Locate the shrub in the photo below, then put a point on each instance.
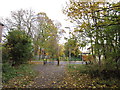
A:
(95, 71)
(19, 47)
(5, 55)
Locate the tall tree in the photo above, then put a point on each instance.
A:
(47, 34)
(97, 23)
(72, 47)
(22, 20)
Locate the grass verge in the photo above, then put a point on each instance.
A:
(17, 77)
(88, 77)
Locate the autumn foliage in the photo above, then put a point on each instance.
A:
(87, 57)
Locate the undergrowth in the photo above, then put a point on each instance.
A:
(15, 74)
(109, 78)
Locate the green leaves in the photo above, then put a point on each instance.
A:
(72, 46)
(98, 26)
(20, 48)
(47, 34)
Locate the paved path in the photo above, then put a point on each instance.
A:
(61, 62)
(50, 76)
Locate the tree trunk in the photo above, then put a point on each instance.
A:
(58, 61)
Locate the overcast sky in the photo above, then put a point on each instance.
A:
(53, 8)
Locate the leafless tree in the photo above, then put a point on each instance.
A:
(22, 20)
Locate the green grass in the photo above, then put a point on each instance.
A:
(10, 72)
(79, 67)
(96, 74)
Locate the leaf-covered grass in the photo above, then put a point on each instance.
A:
(76, 67)
(17, 76)
(88, 77)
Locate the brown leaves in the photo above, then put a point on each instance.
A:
(76, 79)
(19, 82)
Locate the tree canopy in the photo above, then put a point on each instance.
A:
(97, 25)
